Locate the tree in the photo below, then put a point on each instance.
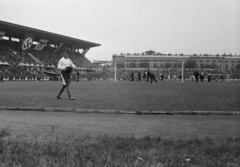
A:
(213, 65)
(208, 66)
(144, 65)
(190, 64)
(133, 65)
(205, 66)
(150, 52)
(238, 67)
(168, 65)
(155, 65)
(120, 65)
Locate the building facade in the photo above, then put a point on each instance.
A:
(224, 62)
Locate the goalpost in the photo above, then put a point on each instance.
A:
(115, 71)
(182, 71)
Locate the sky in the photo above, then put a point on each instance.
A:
(135, 26)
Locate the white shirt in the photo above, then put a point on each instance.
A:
(65, 62)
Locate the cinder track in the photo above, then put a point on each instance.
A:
(67, 123)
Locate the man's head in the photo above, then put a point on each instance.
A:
(65, 54)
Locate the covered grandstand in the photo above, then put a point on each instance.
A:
(25, 50)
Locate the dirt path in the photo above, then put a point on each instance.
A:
(122, 125)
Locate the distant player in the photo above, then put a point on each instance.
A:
(169, 77)
(132, 76)
(196, 74)
(162, 77)
(221, 77)
(201, 77)
(66, 66)
(209, 77)
(139, 77)
(152, 77)
(148, 75)
(144, 75)
(78, 76)
(174, 77)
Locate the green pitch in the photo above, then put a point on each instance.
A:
(124, 95)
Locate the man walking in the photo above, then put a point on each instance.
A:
(152, 76)
(66, 66)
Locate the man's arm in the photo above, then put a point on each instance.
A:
(72, 65)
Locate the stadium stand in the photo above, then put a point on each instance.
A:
(32, 64)
(25, 56)
(81, 61)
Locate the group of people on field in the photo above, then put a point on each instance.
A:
(147, 76)
(199, 76)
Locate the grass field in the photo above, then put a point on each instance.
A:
(124, 95)
(36, 138)
(105, 151)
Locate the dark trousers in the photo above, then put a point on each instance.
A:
(196, 78)
(153, 79)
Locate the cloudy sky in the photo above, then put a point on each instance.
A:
(135, 26)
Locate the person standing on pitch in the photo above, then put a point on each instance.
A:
(144, 76)
(152, 77)
(209, 77)
(66, 66)
(132, 76)
(196, 74)
(139, 77)
(148, 75)
(221, 77)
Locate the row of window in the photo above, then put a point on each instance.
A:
(207, 61)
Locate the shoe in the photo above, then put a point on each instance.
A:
(59, 97)
(71, 98)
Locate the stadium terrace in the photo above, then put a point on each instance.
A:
(29, 53)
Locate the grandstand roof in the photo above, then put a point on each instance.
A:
(18, 31)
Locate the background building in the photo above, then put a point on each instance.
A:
(150, 59)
